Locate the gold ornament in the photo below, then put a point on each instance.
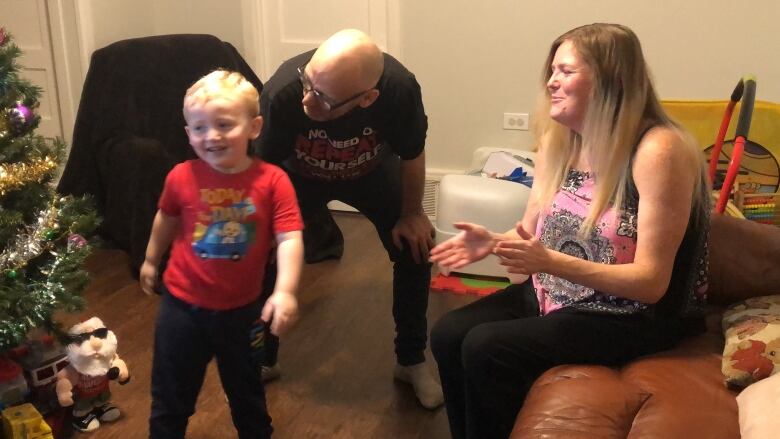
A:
(16, 175)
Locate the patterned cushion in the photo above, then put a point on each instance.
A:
(752, 331)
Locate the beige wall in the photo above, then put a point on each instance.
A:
(105, 22)
(221, 18)
(477, 59)
(108, 21)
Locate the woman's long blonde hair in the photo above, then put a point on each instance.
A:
(622, 106)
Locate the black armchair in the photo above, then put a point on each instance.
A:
(129, 129)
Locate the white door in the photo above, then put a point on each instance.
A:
(276, 30)
(28, 22)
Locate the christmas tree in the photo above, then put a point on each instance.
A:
(42, 235)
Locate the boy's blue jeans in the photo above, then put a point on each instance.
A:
(185, 340)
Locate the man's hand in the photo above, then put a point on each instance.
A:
(417, 230)
(281, 309)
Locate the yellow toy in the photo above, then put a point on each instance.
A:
(24, 422)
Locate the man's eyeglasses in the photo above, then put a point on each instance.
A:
(328, 103)
(84, 336)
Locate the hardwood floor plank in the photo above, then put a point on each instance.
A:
(337, 362)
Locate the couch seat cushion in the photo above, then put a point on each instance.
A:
(676, 393)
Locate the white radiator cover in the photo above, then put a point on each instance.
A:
(430, 195)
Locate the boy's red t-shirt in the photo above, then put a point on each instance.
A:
(227, 228)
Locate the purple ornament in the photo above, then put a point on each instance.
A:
(3, 36)
(21, 114)
(76, 241)
(21, 118)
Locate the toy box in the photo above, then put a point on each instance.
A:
(493, 203)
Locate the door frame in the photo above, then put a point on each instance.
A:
(71, 52)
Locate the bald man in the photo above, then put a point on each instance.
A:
(347, 123)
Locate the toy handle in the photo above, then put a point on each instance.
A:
(746, 90)
(736, 95)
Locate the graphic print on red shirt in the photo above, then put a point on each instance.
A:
(223, 231)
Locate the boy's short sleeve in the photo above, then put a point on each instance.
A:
(287, 214)
(169, 200)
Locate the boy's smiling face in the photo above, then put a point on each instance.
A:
(219, 131)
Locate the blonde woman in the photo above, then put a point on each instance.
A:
(614, 239)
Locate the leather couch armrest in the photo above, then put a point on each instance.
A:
(578, 401)
(744, 259)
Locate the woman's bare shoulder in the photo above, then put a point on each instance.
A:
(662, 154)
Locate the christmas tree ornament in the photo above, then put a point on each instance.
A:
(21, 117)
(76, 241)
(22, 112)
(12, 274)
(3, 37)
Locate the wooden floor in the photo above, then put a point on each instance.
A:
(337, 362)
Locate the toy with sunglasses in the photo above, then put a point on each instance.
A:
(83, 384)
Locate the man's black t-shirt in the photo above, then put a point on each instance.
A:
(347, 147)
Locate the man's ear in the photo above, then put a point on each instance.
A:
(369, 98)
(257, 127)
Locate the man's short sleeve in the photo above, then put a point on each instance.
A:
(410, 124)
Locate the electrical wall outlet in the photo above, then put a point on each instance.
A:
(516, 121)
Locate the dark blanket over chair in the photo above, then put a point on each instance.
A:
(129, 130)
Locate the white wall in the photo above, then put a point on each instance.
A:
(222, 18)
(102, 22)
(477, 59)
(106, 21)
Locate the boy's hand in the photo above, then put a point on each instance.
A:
(148, 277)
(281, 310)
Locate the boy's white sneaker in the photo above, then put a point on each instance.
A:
(426, 388)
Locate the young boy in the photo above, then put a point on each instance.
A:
(221, 213)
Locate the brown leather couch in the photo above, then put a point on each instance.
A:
(678, 393)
